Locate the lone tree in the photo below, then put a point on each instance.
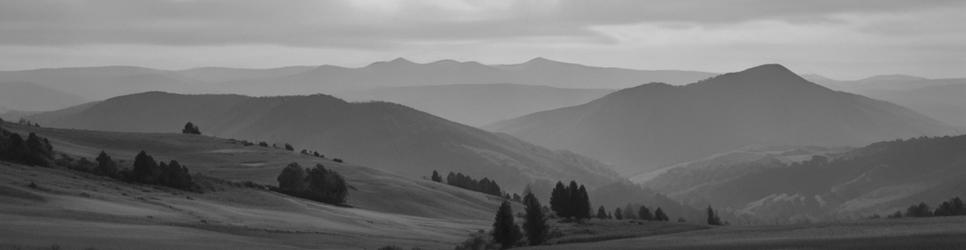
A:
(536, 222)
(289, 147)
(601, 213)
(713, 218)
(618, 215)
(505, 231)
(436, 177)
(581, 204)
(191, 129)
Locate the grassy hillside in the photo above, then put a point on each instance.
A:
(381, 135)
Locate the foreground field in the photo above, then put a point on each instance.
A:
(926, 233)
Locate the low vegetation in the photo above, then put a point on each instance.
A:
(951, 207)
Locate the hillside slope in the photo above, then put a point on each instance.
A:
(382, 135)
(655, 125)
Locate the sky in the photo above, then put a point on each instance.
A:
(842, 39)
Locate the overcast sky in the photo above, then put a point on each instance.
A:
(837, 38)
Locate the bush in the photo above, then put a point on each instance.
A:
(191, 129)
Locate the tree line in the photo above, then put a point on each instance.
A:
(952, 207)
(484, 185)
(570, 201)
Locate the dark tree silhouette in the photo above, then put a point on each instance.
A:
(535, 223)
(618, 215)
(659, 215)
(920, 210)
(713, 218)
(318, 183)
(559, 200)
(105, 165)
(505, 231)
(145, 170)
(644, 213)
(191, 129)
(601, 213)
(436, 177)
(581, 203)
(466, 182)
(292, 179)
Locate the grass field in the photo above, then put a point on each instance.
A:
(910, 233)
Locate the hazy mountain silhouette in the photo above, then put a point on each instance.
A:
(479, 104)
(98, 83)
(654, 125)
(942, 99)
(401, 72)
(222, 74)
(383, 135)
(27, 96)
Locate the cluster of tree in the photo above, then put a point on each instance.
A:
(484, 185)
(148, 171)
(191, 129)
(34, 151)
(570, 201)
(26, 122)
(713, 218)
(633, 212)
(508, 234)
(318, 183)
(951, 207)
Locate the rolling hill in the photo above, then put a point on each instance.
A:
(479, 104)
(654, 125)
(381, 135)
(78, 210)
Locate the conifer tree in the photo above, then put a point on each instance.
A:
(618, 215)
(505, 231)
(659, 215)
(601, 213)
(644, 213)
(536, 222)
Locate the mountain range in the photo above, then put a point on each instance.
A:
(654, 125)
(377, 134)
(27, 96)
(479, 104)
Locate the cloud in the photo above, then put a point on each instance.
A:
(384, 24)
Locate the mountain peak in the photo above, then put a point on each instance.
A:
(400, 60)
(770, 69)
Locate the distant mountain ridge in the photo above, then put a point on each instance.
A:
(377, 134)
(655, 125)
(942, 99)
(479, 104)
(28, 96)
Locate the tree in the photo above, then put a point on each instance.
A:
(713, 218)
(292, 179)
(921, 210)
(145, 170)
(191, 129)
(326, 186)
(618, 215)
(644, 213)
(571, 207)
(105, 165)
(660, 216)
(175, 175)
(581, 203)
(505, 231)
(536, 222)
(559, 200)
(289, 147)
(601, 213)
(436, 177)
(957, 206)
